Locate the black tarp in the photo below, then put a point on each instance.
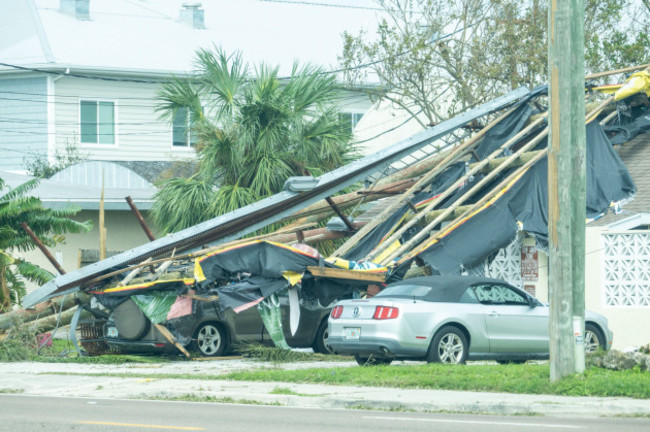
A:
(262, 264)
(494, 138)
(468, 243)
(249, 292)
(624, 133)
(438, 185)
(259, 258)
(504, 130)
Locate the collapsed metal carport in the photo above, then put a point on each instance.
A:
(269, 210)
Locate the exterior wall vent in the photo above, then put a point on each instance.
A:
(193, 15)
(80, 9)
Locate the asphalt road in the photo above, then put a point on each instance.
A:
(20, 413)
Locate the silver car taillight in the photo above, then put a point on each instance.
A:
(385, 312)
(336, 312)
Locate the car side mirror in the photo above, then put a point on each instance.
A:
(532, 302)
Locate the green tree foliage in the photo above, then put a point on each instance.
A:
(16, 206)
(254, 131)
(440, 57)
(38, 165)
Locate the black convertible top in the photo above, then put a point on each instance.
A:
(445, 288)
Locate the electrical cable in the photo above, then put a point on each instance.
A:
(56, 327)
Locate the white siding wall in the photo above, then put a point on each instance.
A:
(140, 135)
(629, 323)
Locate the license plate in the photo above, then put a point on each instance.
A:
(352, 332)
(112, 332)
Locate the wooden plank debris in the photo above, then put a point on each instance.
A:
(170, 337)
(336, 273)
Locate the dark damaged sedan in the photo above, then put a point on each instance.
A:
(209, 330)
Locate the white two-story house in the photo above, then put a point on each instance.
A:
(85, 73)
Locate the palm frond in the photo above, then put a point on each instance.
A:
(33, 273)
(233, 197)
(223, 76)
(19, 190)
(182, 203)
(179, 93)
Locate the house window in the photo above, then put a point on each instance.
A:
(182, 134)
(351, 118)
(626, 268)
(97, 122)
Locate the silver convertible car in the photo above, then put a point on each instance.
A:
(450, 319)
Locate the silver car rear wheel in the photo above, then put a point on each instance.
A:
(593, 339)
(449, 345)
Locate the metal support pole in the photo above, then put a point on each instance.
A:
(140, 219)
(42, 247)
(566, 186)
(340, 214)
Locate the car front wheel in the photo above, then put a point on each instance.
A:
(449, 345)
(594, 339)
(209, 340)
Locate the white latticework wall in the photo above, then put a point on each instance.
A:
(507, 264)
(626, 267)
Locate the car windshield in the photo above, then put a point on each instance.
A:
(407, 291)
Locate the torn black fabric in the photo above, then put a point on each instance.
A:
(438, 185)
(608, 179)
(470, 243)
(259, 258)
(327, 290)
(504, 130)
(526, 202)
(372, 239)
(624, 133)
(247, 293)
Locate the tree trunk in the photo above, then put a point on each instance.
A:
(50, 322)
(43, 310)
(6, 302)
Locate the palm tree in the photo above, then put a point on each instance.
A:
(49, 225)
(253, 131)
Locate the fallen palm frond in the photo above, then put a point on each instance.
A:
(278, 355)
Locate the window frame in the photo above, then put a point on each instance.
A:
(189, 146)
(115, 122)
(353, 114)
(517, 291)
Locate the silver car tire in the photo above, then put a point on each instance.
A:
(594, 339)
(320, 346)
(209, 340)
(449, 345)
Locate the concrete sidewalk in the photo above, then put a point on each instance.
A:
(51, 379)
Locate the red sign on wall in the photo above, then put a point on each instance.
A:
(529, 264)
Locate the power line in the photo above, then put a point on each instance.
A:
(76, 75)
(311, 3)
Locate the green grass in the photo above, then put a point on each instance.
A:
(289, 392)
(191, 397)
(528, 378)
(525, 379)
(20, 344)
(11, 391)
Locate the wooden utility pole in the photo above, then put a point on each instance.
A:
(566, 187)
(102, 225)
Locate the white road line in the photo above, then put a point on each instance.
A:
(485, 422)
